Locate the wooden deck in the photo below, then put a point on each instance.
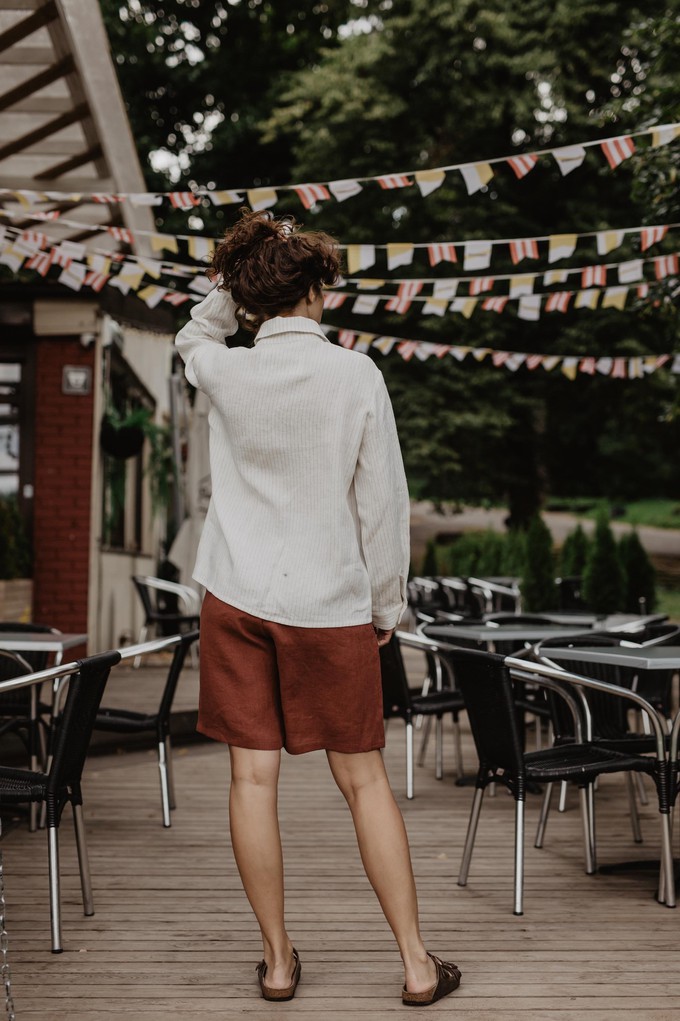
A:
(173, 934)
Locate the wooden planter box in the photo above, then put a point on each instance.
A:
(16, 599)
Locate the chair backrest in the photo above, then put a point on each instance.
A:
(609, 714)
(13, 664)
(395, 690)
(85, 690)
(489, 697)
(179, 655)
(145, 595)
(36, 660)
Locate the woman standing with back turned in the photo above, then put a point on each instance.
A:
(304, 557)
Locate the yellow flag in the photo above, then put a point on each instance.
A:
(261, 198)
(561, 246)
(369, 284)
(521, 285)
(150, 266)
(608, 240)
(399, 254)
(587, 299)
(665, 134)
(570, 367)
(429, 180)
(164, 242)
(360, 257)
(201, 248)
(615, 297)
(132, 277)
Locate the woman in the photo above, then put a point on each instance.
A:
(304, 557)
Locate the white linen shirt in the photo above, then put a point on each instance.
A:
(308, 521)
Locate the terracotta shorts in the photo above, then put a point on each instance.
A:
(268, 686)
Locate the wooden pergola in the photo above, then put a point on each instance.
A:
(63, 123)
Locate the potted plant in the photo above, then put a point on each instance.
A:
(122, 436)
(16, 586)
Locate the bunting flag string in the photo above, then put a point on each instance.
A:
(476, 255)
(571, 366)
(475, 175)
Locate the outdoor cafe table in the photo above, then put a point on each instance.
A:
(487, 634)
(38, 641)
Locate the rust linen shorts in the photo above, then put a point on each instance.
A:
(268, 686)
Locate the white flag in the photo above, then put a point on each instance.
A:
(529, 307)
(630, 271)
(569, 158)
(365, 304)
(477, 255)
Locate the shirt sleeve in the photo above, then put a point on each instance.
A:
(384, 511)
(200, 340)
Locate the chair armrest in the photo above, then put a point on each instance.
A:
(51, 674)
(190, 597)
(155, 645)
(533, 671)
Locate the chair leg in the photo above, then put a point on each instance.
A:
(409, 760)
(667, 879)
(83, 860)
(458, 748)
(587, 837)
(641, 790)
(562, 807)
(519, 857)
(171, 773)
(543, 818)
(538, 734)
(634, 816)
(165, 786)
(439, 749)
(424, 741)
(55, 903)
(590, 803)
(470, 836)
(143, 631)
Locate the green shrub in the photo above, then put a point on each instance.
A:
(430, 565)
(603, 580)
(538, 581)
(639, 574)
(514, 553)
(15, 552)
(574, 553)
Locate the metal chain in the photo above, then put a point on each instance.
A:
(5, 973)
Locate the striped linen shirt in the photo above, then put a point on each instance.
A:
(308, 522)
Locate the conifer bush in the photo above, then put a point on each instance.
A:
(574, 553)
(639, 574)
(538, 581)
(603, 578)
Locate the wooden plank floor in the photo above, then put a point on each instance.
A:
(173, 935)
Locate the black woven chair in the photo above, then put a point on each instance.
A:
(124, 721)
(485, 682)
(160, 601)
(20, 711)
(62, 783)
(401, 701)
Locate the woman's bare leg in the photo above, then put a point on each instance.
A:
(256, 840)
(384, 849)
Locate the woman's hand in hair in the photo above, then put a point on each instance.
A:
(383, 636)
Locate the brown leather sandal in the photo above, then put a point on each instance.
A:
(280, 994)
(448, 979)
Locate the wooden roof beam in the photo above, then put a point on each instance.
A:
(86, 156)
(41, 17)
(66, 119)
(37, 81)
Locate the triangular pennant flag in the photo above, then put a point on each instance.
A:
(561, 246)
(651, 236)
(399, 254)
(224, 198)
(618, 149)
(608, 240)
(200, 248)
(549, 362)
(441, 253)
(363, 342)
(145, 198)
(465, 306)
(13, 260)
(636, 368)
(570, 367)
(458, 352)
(523, 164)
(631, 271)
(477, 255)
(342, 190)
(346, 338)
(152, 267)
(675, 367)
(429, 180)
(152, 295)
(478, 285)
(435, 307)
(520, 286)
(588, 366)
(476, 176)
(529, 307)
(479, 353)
(445, 289)
(665, 133)
(73, 276)
(369, 284)
(201, 285)
(164, 242)
(614, 297)
(384, 344)
(310, 194)
(555, 276)
(407, 349)
(523, 249)
(619, 368)
(360, 257)
(515, 360)
(587, 298)
(261, 198)
(569, 158)
(365, 304)
(333, 299)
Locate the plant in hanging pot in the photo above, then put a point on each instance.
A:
(122, 436)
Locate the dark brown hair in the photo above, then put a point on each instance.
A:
(270, 264)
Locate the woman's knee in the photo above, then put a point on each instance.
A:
(254, 766)
(356, 773)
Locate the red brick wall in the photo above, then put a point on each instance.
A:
(63, 465)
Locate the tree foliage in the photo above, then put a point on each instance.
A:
(538, 583)
(603, 578)
(639, 574)
(292, 92)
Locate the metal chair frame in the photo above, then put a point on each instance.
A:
(152, 617)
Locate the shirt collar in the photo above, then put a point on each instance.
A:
(289, 324)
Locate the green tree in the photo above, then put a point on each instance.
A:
(430, 559)
(538, 583)
(603, 578)
(574, 553)
(639, 573)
